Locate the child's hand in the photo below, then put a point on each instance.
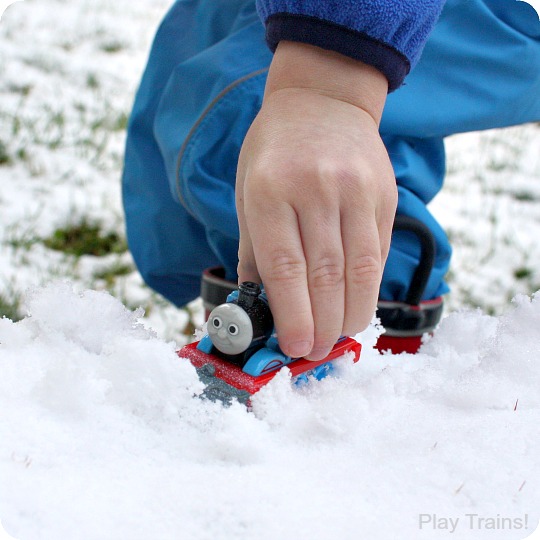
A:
(316, 197)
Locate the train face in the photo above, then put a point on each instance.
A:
(240, 327)
(230, 329)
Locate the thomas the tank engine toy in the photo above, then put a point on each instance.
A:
(239, 354)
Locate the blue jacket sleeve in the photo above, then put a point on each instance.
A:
(387, 34)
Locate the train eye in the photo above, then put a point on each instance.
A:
(216, 322)
(233, 329)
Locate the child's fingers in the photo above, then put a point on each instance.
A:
(363, 268)
(323, 249)
(247, 265)
(282, 266)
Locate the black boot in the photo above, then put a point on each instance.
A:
(406, 322)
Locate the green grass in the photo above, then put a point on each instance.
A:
(523, 273)
(191, 325)
(112, 47)
(10, 306)
(92, 81)
(22, 89)
(524, 196)
(85, 238)
(115, 270)
(5, 158)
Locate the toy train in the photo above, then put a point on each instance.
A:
(239, 354)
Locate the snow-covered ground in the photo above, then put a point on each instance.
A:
(100, 435)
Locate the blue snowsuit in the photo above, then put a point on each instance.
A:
(203, 86)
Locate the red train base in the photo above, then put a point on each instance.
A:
(226, 381)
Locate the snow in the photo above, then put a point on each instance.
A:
(102, 435)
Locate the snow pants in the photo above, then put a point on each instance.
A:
(203, 86)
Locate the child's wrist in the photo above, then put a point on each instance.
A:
(301, 66)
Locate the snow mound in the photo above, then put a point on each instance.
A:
(103, 435)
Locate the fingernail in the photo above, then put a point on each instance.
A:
(299, 348)
(318, 354)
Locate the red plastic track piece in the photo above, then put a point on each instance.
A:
(234, 375)
(396, 344)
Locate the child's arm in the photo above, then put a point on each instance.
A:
(386, 34)
(316, 196)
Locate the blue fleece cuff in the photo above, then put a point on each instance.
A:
(327, 35)
(387, 34)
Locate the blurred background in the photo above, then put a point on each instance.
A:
(68, 74)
